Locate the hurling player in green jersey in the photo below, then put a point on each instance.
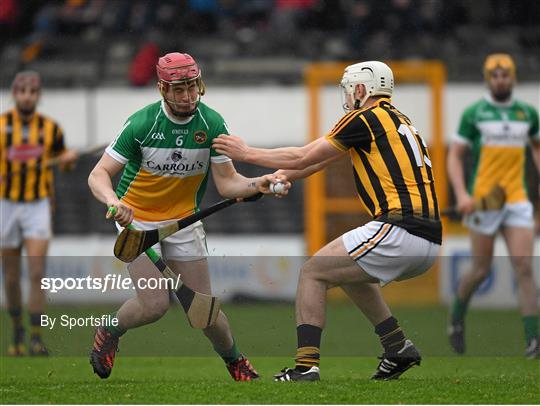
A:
(165, 152)
(497, 128)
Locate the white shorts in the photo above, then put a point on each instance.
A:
(511, 215)
(188, 244)
(388, 252)
(24, 220)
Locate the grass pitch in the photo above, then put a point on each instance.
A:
(170, 363)
(204, 380)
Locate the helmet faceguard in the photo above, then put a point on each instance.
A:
(377, 78)
(180, 70)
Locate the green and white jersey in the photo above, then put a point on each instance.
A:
(166, 160)
(498, 134)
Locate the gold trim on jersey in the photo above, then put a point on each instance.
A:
(336, 144)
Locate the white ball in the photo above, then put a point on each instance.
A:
(277, 188)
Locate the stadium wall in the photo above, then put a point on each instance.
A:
(265, 116)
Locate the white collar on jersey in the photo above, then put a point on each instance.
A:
(174, 119)
(494, 102)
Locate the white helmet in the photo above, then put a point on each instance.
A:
(376, 76)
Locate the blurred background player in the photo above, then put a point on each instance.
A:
(165, 153)
(28, 140)
(498, 128)
(393, 176)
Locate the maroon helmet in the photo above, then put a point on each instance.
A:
(179, 69)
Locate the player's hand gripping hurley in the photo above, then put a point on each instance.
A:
(131, 243)
(493, 200)
(201, 309)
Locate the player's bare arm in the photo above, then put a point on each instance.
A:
(231, 184)
(297, 158)
(535, 151)
(68, 156)
(101, 186)
(67, 159)
(293, 174)
(465, 202)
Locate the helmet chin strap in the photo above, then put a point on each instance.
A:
(359, 103)
(180, 114)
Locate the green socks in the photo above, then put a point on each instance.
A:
(229, 355)
(459, 308)
(114, 330)
(530, 323)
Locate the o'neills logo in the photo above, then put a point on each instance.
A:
(200, 137)
(177, 168)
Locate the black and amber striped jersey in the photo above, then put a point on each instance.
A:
(25, 149)
(391, 167)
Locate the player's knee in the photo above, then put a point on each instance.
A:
(313, 273)
(304, 271)
(11, 268)
(11, 278)
(35, 278)
(156, 310)
(481, 273)
(12, 282)
(522, 268)
(309, 271)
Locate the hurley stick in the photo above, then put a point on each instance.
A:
(131, 243)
